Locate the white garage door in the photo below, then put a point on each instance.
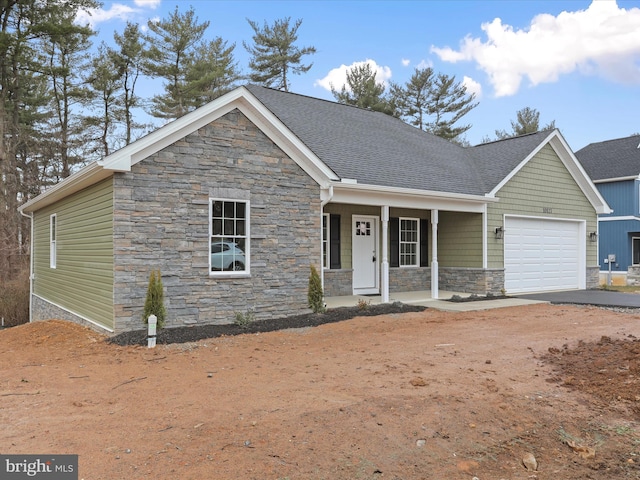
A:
(542, 255)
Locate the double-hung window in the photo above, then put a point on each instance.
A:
(229, 239)
(52, 240)
(409, 242)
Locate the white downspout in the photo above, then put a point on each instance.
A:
(30, 216)
(385, 256)
(434, 255)
(322, 204)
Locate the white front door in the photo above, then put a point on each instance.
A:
(365, 254)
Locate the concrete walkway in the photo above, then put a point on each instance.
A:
(424, 298)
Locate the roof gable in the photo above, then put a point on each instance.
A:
(500, 161)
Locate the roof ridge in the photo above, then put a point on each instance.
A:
(614, 140)
(333, 102)
(513, 137)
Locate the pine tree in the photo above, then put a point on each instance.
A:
(315, 295)
(274, 55)
(412, 99)
(172, 43)
(129, 61)
(362, 90)
(154, 304)
(448, 103)
(527, 121)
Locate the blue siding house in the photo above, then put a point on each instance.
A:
(614, 167)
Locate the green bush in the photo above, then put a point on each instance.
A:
(14, 300)
(154, 304)
(244, 320)
(315, 295)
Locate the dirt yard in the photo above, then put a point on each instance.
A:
(429, 395)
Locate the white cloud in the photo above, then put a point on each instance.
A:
(406, 62)
(337, 77)
(118, 11)
(472, 86)
(153, 4)
(603, 40)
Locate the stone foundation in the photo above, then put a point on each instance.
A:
(472, 280)
(42, 310)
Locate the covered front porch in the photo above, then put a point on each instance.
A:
(411, 247)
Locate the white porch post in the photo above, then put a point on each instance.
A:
(434, 254)
(385, 256)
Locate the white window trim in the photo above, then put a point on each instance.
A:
(417, 242)
(246, 236)
(326, 260)
(53, 234)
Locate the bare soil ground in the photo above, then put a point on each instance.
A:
(417, 395)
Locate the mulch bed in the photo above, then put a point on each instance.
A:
(201, 332)
(476, 298)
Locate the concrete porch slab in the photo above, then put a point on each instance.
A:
(424, 298)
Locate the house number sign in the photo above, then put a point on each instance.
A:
(547, 210)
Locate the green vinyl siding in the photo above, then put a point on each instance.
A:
(82, 281)
(542, 188)
(460, 239)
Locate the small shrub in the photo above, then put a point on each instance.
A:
(243, 320)
(154, 304)
(456, 298)
(363, 304)
(315, 295)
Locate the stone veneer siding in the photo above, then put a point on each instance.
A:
(633, 275)
(338, 283)
(593, 277)
(409, 279)
(471, 280)
(161, 221)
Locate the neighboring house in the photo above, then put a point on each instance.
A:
(234, 201)
(614, 167)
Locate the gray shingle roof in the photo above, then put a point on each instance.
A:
(612, 158)
(495, 160)
(377, 149)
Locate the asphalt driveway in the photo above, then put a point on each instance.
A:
(600, 298)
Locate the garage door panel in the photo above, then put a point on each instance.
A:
(541, 255)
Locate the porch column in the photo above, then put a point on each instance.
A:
(385, 256)
(434, 253)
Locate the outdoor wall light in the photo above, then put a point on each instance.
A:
(499, 231)
(593, 236)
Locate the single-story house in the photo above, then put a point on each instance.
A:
(235, 201)
(614, 168)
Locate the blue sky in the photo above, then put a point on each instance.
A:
(577, 62)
